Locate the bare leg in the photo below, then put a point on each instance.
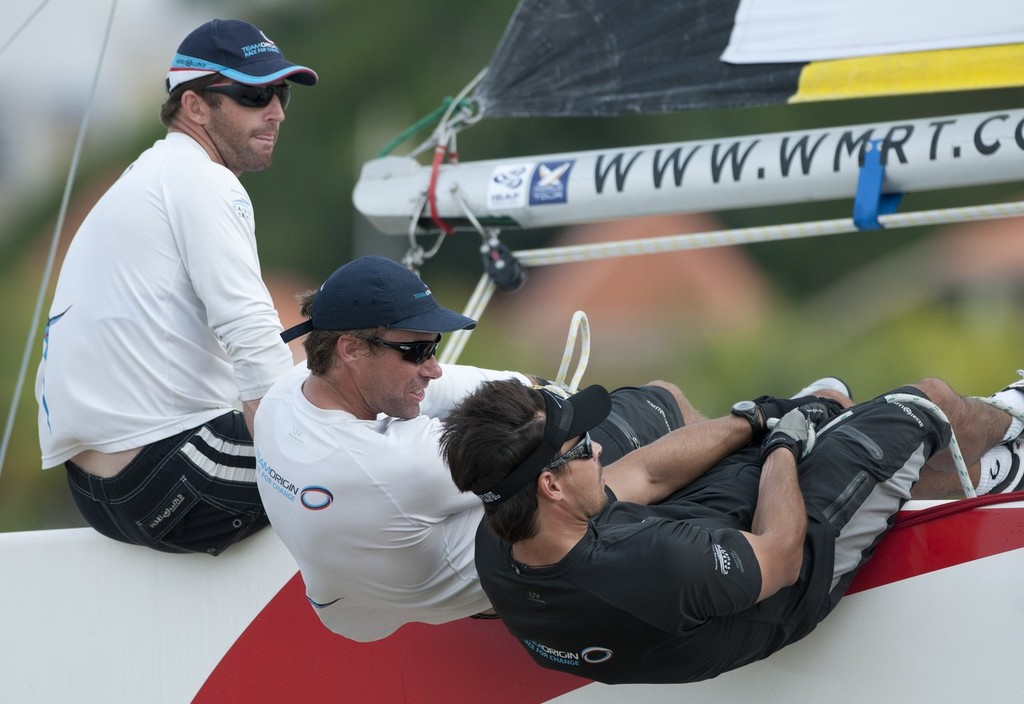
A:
(690, 413)
(977, 427)
(934, 484)
(843, 399)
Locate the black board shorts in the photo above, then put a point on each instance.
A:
(640, 415)
(192, 492)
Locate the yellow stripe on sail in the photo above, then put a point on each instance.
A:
(915, 72)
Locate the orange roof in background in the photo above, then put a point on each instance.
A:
(718, 287)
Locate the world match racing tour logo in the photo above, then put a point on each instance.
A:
(312, 497)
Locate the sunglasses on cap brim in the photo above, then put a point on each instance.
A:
(253, 96)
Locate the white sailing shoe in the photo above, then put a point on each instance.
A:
(831, 383)
(1002, 469)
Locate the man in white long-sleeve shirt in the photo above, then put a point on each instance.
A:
(161, 327)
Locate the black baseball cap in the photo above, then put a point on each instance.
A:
(565, 418)
(238, 51)
(376, 292)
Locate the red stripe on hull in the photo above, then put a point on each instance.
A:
(286, 655)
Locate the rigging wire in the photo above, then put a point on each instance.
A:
(717, 238)
(24, 24)
(443, 141)
(55, 239)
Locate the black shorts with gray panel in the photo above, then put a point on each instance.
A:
(640, 415)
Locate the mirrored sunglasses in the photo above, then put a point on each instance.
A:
(416, 351)
(253, 96)
(583, 450)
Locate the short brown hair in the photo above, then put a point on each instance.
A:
(169, 110)
(319, 344)
(485, 438)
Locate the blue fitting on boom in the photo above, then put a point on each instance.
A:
(870, 202)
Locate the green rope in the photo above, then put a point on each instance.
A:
(428, 119)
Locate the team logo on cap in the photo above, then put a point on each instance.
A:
(262, 47)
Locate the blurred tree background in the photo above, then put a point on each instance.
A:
(384, 65)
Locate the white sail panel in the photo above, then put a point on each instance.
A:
(780, 31)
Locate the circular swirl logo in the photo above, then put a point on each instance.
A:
(316, 498)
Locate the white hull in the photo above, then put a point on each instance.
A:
(86, 619)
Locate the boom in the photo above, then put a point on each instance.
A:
(729, 173)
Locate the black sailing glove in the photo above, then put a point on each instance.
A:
(796, 430)
(773, 408)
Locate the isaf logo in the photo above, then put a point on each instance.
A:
(507, 188)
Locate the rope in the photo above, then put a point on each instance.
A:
(1001, 406)
(54, 241)
(954, 447)
(766, 233)
(443, 141)
(474, 309)
(578, 326)
(910, 519)
(408, 132)
(723, 238)
(24, 24)
(439, 153)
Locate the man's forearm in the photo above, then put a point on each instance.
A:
(779, 522)
(650, 473)
(249, 412)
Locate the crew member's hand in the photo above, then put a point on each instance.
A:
(796, 430)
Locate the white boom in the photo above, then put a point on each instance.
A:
(719, 174)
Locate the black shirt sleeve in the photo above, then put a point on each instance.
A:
(690, 573)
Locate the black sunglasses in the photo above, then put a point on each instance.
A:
(417, 351)
(583, 450)
(253, 96)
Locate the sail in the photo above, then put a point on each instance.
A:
(566, 57)
(811, 30)
(612, 57)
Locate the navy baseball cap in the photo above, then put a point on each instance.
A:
(237, 50)
(376, 292)
(564, 418)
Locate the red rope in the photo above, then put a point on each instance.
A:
(439, 152)
(912, 518)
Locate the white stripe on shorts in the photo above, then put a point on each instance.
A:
(216, 469)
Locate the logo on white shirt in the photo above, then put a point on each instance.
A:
(242, 208)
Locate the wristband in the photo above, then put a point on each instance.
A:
(748, 410)
(777, 440)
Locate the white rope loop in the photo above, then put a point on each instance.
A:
(1000, 406)
(578, 327)
(954, 447)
